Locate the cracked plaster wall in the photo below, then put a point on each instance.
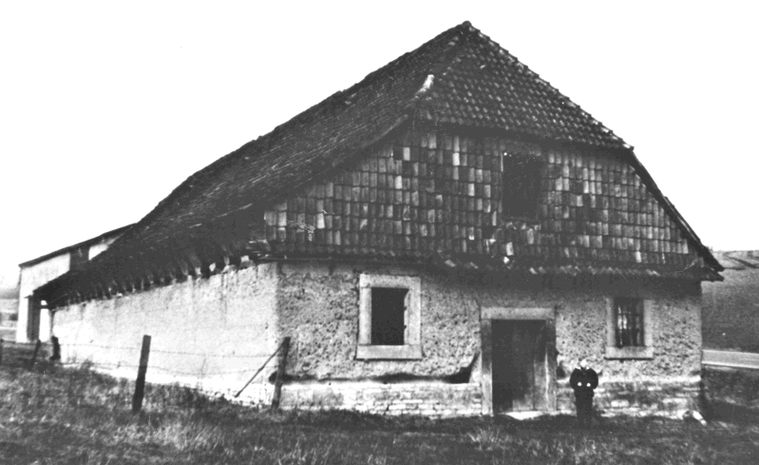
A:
(319, 308)
(211, 333)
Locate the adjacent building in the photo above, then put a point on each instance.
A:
(33, 318)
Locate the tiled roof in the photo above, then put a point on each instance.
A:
(460, 78)
(483, 85)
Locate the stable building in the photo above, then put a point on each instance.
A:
(33, 317)
(449, 236)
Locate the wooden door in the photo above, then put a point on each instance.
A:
(519, 364)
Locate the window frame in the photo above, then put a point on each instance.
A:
(540, 163)
(646, 351)
(412, 348)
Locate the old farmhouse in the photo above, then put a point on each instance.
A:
(449, 236)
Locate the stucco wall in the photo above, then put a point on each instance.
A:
(320, 305)
(319, 308)
(212, 333)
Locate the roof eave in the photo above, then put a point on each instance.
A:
(91, 241)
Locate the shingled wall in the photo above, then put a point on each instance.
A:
(432, 191)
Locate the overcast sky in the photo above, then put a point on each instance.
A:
(105, 107)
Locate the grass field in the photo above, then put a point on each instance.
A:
(51, 415)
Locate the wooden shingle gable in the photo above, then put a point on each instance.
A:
(431, 193)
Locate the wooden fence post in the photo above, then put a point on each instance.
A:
(280, 374)
(139, 388)
(36, 351)
(56, 349)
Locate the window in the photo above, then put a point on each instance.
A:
(628, 315)
(521, 185)
(629, 328)
(389, 317)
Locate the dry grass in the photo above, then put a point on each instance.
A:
(79, 417)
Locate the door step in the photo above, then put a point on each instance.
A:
(525, 414)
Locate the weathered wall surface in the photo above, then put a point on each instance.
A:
(319, 310)
(428, 399)
(212, 333)
(665, 395)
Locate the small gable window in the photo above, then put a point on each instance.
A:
(521, 185)
(628, 333)
(389, 317)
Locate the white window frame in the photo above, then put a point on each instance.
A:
(412, 347)
(645, 352)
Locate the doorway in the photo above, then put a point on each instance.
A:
(519, 365)
(518, 359)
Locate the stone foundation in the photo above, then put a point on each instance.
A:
(430, 400)
(424, 399)
(644, 396)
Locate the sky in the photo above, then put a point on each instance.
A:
(105, 107)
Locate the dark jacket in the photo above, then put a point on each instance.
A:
(583, 382)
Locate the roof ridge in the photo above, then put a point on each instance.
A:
(536, 76)
(441, 66)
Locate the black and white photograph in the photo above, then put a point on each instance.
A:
(338, 233)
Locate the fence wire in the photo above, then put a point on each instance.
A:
(83, 356)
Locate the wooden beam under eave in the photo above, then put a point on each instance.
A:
(99, 292)
(190, 259)
(174, 268)
(117, 286)
(183, 266)
(128, 273)
(181, 269)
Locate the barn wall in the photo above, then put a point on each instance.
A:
(212, 333)
(319, 309)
